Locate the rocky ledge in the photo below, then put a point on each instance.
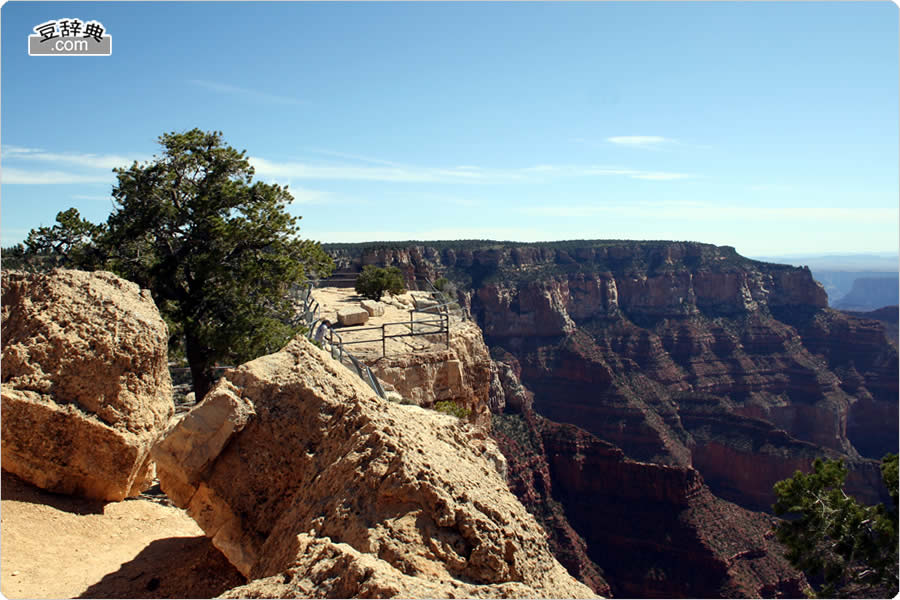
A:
(313, 486)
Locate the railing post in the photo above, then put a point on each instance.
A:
(383, 342)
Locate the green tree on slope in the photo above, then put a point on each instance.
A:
(220, 253)
(374, 281)
(848, 547)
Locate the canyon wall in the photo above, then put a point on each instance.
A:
(685, 356)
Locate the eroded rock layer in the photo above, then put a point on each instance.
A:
(86, 387)
(299, 474)
(681, 355)
(460, 373)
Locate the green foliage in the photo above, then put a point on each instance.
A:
(889, 475)
(219, 253)
(69, 243)
(449, 407)
(373, 282)
(442, 284)
(14, 258)
(849, 547)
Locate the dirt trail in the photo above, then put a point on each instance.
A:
(56, 546)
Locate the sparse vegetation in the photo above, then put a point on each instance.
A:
(449, 407)
(373, 282)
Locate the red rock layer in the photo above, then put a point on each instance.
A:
(657, 530)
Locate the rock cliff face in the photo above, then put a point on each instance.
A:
(681, 355)
(460, 373)
(358, 497)
(657, 530)
(86, 387)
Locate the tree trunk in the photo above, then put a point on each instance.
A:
(198, 361)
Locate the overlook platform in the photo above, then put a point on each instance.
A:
(401, 330)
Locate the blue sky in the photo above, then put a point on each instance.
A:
(770, 126)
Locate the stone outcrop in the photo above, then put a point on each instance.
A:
(308, 482)
(86, 388)
(460, 373)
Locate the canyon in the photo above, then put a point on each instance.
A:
(664, 361)
(626, 408)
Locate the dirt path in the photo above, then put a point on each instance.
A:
(55, 546)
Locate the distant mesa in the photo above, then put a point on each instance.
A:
(869, 293)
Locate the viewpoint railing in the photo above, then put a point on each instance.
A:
(321, 331)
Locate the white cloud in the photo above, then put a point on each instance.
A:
(12, 175)
(285, 172)
(308, 196)
(357, 157)
(399, 173)
(659, 176)
(16, 150)
(246, 93)
(106, 162)
(639, 141)
(460, 174)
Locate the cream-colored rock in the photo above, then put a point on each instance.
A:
(86, 387)
(352, 316)
(324, 569)
(460, 373)
(375, 309)
(339, 493)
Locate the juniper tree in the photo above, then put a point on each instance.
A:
(848, 548)
(219, 253)
(373, 282)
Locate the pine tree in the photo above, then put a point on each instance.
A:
(850, 548)
(219, 253)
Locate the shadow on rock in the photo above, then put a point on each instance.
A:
(17, 489)
(177, 567)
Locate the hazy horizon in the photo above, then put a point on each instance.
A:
(769, 127)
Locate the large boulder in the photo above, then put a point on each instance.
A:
(296, 469)
(375, 309)
(353, 316)
(86, 388)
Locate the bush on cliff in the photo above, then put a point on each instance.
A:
(219, 253)
(845, 548)
(449, 407)
(373, 282)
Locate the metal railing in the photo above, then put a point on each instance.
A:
(321, 331)
(325, 334)
(440, 325)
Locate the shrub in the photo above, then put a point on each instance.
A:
(449, 407)
(373, 282)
